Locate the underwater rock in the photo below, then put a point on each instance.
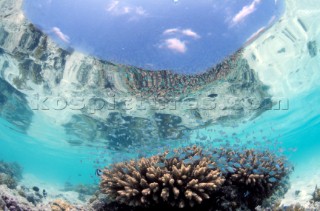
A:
(196, 178)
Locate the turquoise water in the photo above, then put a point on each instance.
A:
(295, 132)
(67, 146)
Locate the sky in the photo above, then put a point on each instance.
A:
(184, 36)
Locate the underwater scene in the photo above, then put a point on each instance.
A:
(119, 105)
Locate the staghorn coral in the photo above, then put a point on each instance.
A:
(251, 176)
(211, 179)
(164, 179)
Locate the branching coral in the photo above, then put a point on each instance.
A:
(251, 176)
(194, 177)
(178, 181)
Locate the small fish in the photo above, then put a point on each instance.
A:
(187, 161)
(196, 157)
(246, 194)
(230, 169)
(210, 166)
(237, 165)
(272, 173)
(36, 189)
(44, 193)
(98, 172)
(272, 179)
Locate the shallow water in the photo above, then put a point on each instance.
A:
(58, 146)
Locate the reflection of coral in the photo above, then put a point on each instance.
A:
(193, 177)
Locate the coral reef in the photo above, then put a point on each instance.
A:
(60, 205)
(195, 178)
(11, 169)
(7, 180)
(11, 200)
(10, 173)
(163, 180)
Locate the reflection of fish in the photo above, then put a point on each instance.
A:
(98, 172)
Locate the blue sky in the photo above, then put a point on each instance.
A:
(185, 36)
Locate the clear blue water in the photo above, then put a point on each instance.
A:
(202, 32)
(47, 154)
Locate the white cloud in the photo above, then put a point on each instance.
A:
(61, 35)
(176, 45)
(177, 39)
(140, 11)
(112, 6)
(171, 31)
(185, 32)
(117, 8)
(190, 33)
(245, 11)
